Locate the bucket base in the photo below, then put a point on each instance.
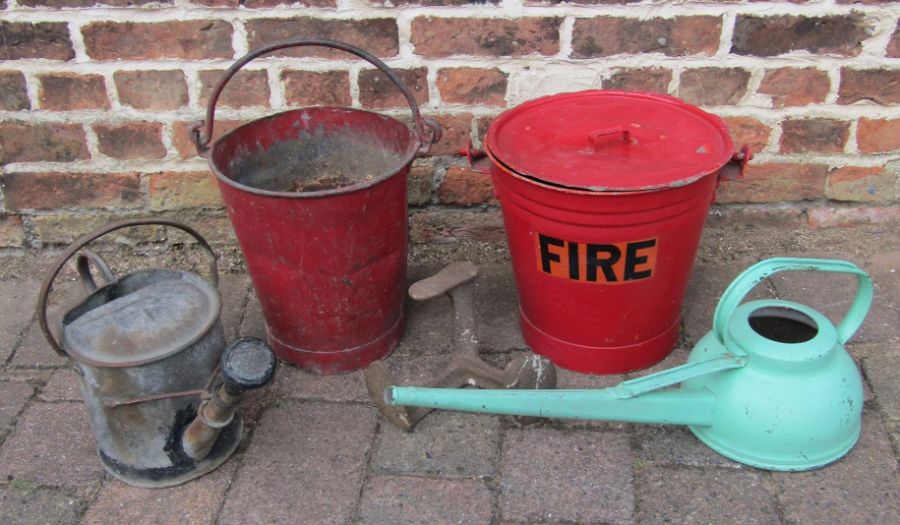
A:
(152, 478)
(598, 359)
(339, 361)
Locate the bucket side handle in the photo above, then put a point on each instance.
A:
(746, 281)
(427, 129)
(81, 242)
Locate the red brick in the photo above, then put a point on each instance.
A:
(31, 142)
(378, 36)
(152, 90)
(457, 131)
(249, 88)
(775, 183)
(878, 135)
(748, 131)
(860, 184)
(465, 187)
(679, 36)
(90, 3)
(189, 40)
(442, 37)
(51, 191)
(310, 88)
(893, 48)
(68, 91)
(472, 85)
(35, 40)
(12, 232)
(184, 144)
(377, 91)
(795, 86)
(814, 135)
(131, 140)
(881, 86)
(255, 4)
(652, 79)
(830, 217)
(713, 86)
(774, 35)
(178, 190)
(13, 91)
(447, 226)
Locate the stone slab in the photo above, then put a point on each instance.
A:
(444, 444)
(13, 397)
(253, 323)
(22, 504)
(15, 316)
(305, 462)
(234, 289)
(195, 502)
(295, 383)
(497, 309)
(673, 445)
(52, 445)
(862, 487)
(687, 495)
(64, 385)
(35, 352)
(568, 476)
(390, 500)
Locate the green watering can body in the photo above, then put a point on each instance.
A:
(770, 386)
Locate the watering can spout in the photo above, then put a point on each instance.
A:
(672, 407)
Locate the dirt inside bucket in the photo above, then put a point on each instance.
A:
(316, 162)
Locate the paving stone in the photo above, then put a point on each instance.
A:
(253, 324)
(687, 495)
(705, 288)
(389, 500)
(305, 463)
(52, 445)
(194, 502)
(832, 294)
(234, 289)
(429, 327)
(863, 487)
(35, 352)
(64, 385)
(576, 476)
(569, 379)
(883, 374)
(674, 445)
(295, 383)
(446, 444)
(497, 309)
(27, 505)
(13, 397)
(14, 318)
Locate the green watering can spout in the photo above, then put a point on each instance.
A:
(770, 386)
(639, 400)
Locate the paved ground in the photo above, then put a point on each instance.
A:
(317, 452)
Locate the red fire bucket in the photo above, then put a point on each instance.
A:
(604, 196)
(317, 199)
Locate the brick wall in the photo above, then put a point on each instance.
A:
(96, 96)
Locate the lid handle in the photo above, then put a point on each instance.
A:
(600, 137)
(81, 242)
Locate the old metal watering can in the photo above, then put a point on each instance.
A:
(149, 347)
(770, 386)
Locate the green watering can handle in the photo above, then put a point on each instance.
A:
(741, 286)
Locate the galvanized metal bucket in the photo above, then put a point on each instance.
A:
(317, 199)
(147, 347)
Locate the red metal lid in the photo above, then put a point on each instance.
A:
(610, 141)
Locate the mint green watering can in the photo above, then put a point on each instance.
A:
(770, 386)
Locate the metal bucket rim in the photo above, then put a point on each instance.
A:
(197, 280)
(412, 150)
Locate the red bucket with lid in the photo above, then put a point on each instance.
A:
(604, 196)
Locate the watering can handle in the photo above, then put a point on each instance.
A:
(427, 129)
(746, 281)
(92, 236)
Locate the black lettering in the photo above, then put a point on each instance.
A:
(573, 260)
(613, 255)
(546, 255)
(632, 259)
